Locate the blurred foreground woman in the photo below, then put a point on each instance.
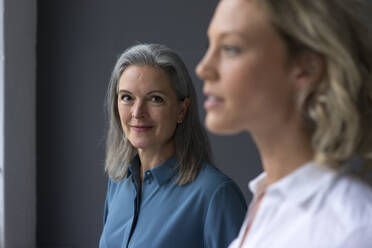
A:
(297, 75)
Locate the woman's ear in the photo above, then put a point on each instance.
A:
(182, 109)
(309, 69)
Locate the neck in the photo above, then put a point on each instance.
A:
(151, 157)
(283, 150)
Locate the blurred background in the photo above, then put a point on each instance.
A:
(57, 59)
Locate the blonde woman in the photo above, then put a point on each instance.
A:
(297, 75)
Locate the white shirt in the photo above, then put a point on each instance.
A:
(313, 207)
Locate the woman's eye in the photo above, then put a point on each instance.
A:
(156, 99)
(125, 98)
(231, 50)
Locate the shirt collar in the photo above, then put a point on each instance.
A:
(134, 166)
(299, 185)
(162, 172)
(134, 170)
(258, 185)
(165, 171)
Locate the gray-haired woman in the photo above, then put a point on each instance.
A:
(163, 191)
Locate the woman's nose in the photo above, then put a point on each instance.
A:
(138, 110)
(206, 68)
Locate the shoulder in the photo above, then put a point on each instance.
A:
(351, 201)
(350, 195)
(348, 203)
(114, 186)
(224, 203)
(211, 178)
(339, 209)
(216, 186)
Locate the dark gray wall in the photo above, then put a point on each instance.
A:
(18, 133)
(78, 44)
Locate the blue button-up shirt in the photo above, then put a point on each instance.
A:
(207, 212)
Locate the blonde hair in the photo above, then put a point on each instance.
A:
(337, 110)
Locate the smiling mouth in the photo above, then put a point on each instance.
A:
(141, 129)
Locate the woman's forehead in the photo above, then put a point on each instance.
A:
(237, 17)
(144, 79)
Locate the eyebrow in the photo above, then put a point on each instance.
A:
(123, 91)
(223, 34)
(156, 91)
(148, 93)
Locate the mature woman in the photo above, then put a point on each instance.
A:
(163, 191)
(297, 75)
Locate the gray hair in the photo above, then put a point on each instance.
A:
(338, 109)
(192, 146)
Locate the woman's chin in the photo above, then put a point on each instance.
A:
(139, 144)
(218, 125)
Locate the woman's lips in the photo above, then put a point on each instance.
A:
(212, 102)
(141, 129)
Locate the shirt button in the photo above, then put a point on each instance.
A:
(148, 177)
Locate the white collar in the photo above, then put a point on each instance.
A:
(299, 185)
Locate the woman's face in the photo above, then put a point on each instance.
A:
(246, 71)
(148, 107)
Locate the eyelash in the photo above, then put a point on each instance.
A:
(122, 97)
(153, 99)
(156, 99)
(231, 50)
